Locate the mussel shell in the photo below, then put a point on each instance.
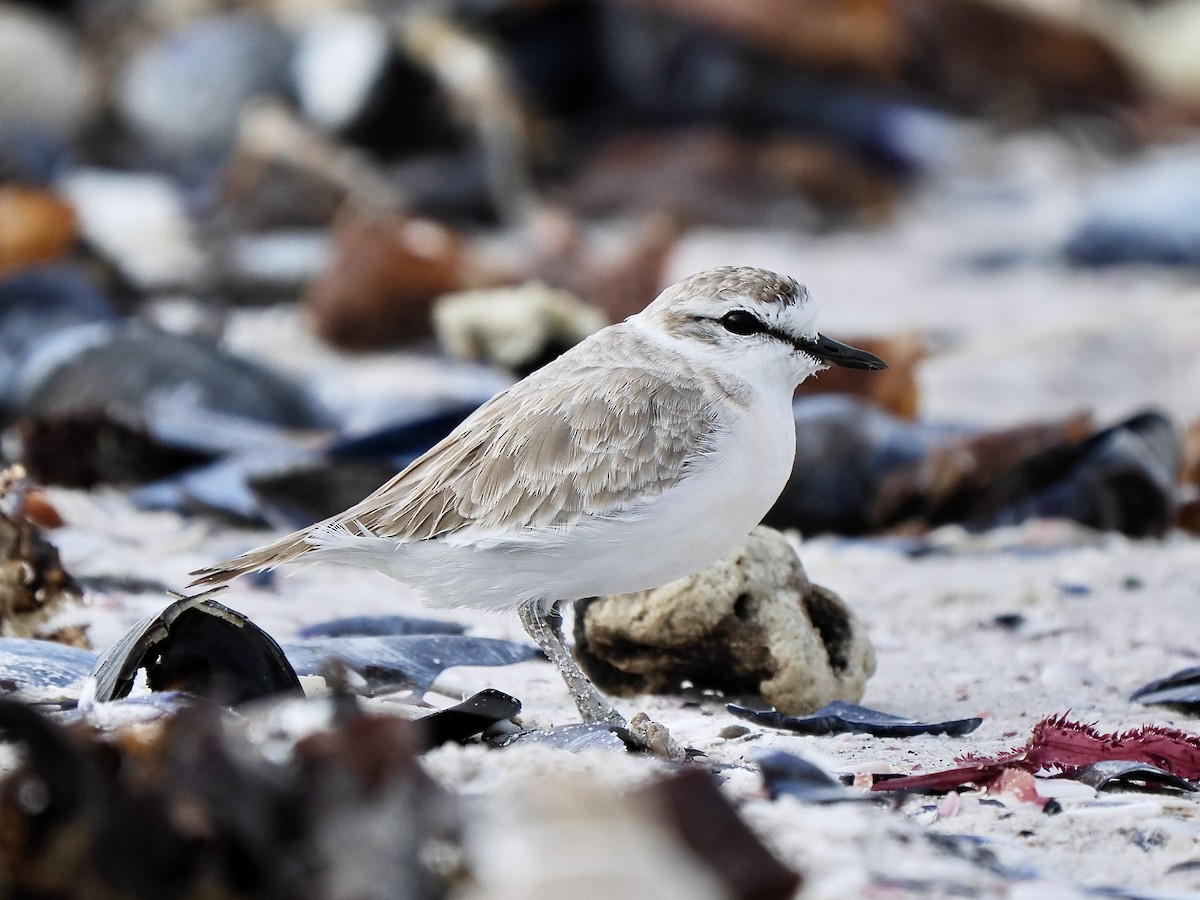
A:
(198, 646)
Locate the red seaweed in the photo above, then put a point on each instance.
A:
(1060, 744)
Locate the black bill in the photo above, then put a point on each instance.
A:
(838, 354)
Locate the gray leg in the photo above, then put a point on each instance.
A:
(594, 709)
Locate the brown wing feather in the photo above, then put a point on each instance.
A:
(591, 433)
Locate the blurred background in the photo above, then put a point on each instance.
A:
(254, 256)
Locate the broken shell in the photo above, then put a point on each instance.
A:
(199, 646)
(407, 659)
(1130, 775)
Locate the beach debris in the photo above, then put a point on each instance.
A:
(39, 671)
(609, 843)
(788, 775)
(1180, 689)
(846, 449)
(385, 274)
(200, 647)
(751, 623)
(965, 474)
(1127, 774)
(34, 586)
(35, 305)
(125, 369)
(36, 227)
(137, 223)
(572, 738)
(194, 807)
(413, 660)
(474, 715)
(1058, 743)
(182, 92)
(90, 447)
(1144, 213)
(846, 718)
(707, 175)
(1120, 478)
(515, 328)
(613, 264)
(710, 827)
(378, 626)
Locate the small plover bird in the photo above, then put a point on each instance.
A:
(641, 455)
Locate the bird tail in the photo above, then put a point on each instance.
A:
(274, 554)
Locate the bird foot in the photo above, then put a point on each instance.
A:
(655, 739)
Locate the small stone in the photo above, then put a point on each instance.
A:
(750, 623)
(36, 226)
(385, 275)
(730, 732)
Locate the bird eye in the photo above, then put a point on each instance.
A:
(741, 322)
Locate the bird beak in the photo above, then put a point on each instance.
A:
(838, 354)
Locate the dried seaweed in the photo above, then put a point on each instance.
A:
(1060, 744)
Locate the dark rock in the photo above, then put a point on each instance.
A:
(88, 448)
(390, 104)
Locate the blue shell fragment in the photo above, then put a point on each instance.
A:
(1181, 689)
(378, 626)
(842, 718)
(411, 659)
(38, 670)
(789, 775)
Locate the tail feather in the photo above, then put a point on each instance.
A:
(274, 554)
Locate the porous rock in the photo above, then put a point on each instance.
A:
(751, 623)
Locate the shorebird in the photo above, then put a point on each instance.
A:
(641, 455)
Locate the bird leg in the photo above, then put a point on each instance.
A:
(545, 627)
